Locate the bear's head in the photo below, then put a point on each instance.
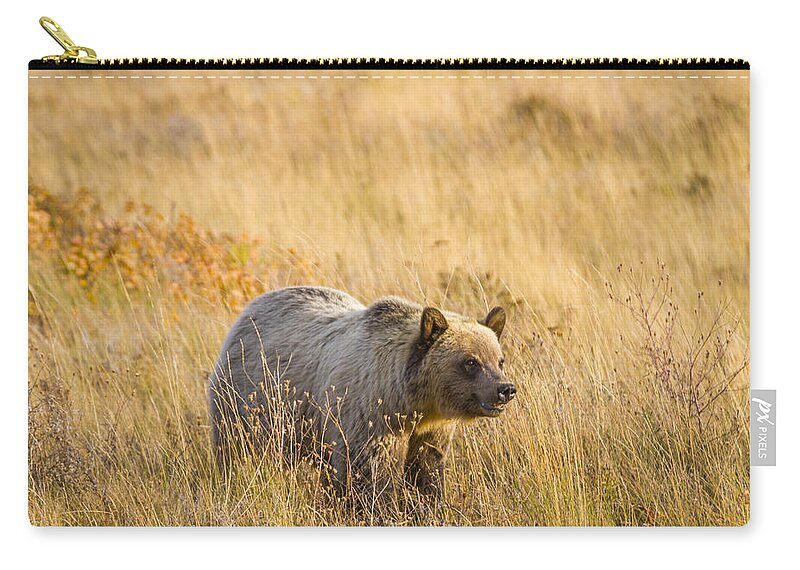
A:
(463, 365)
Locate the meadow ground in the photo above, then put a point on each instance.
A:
(610, 219)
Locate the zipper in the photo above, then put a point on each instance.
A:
(79, 57)
(72, 53)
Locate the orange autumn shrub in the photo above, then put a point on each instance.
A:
(141, 247)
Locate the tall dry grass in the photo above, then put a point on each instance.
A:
(610, 219)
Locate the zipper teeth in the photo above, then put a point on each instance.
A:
(390, 63)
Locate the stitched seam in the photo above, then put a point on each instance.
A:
(390, 77)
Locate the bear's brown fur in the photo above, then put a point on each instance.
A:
(378, 388)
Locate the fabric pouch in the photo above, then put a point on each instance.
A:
(388, 292)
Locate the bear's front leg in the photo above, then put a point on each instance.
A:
(374, 479)
(424, 466)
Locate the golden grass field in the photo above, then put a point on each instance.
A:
(610, 218)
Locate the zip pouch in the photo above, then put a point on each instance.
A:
(388, 292)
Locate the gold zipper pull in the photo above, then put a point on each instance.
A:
(72, 52)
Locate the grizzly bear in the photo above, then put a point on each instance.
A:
(373, 391)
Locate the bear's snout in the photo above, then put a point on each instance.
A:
(494, 398)
(506, 393)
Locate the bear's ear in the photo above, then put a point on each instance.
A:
(496, 320)
(432, 325)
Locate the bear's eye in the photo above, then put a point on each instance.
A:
(501, 363)
(471, 364)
